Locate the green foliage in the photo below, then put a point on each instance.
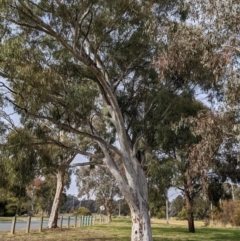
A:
(67, 61)
(182, 215)
(201, 208)
(100, 183)
(169, 109)
(176, 205)
(161, 213)
(160, 175)
(10, 205)
(216, 190)
(164, 170)
(19, 161)
(83, 211)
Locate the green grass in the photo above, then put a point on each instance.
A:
(5, 219)
(120, 230)
(9, 219)
(180, 233)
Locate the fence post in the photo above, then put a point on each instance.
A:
(61, 221)
(28, 224)
(40, 223)
(75, 222)
(79, 221)
(68, 221)
(93, 220)
(13, 224)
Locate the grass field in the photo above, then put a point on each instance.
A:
(119, 230)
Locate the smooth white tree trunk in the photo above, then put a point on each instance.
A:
(52, 223)
(141, 225)
(133, 187)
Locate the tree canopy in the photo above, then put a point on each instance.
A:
(93, 71)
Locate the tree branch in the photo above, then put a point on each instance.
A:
(66, 127)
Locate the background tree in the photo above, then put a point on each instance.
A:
(25, 152)
(176, 205)
(100, 183)
(186, 149)
(159, 177)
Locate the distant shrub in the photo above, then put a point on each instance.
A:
(161, 213)
(83, 211)
(206, 222)
(236, 216)
(182, 215)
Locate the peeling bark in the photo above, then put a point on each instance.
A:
(135, 192)
(190, 217)
(109, 217)
(141, 226)
(137, 198)
(52, 223)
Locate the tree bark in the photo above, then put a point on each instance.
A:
(190, 217)
(135, 192)
(52, 223)
(141, 226)
(108, 209)
(109, 217)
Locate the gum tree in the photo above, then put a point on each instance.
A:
(25, 157)
(72, 55)
(98, 182)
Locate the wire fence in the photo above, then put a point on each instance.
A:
(18, 223)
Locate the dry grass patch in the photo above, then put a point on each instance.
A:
(120, 230)
(110, 232)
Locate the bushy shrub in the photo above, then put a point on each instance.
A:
(83, 211)
(161, 213)
(227, 213)
(182, 215)
(236, 216)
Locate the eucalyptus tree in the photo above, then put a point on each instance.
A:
(64, 160)
(19, 161)
(99, 183)
(176, 205)
(91, 62)
(219, 22)
(185, 73)
(190, 59)
(27, 156)
(186, 137)
(172, 148)
(45, 192)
